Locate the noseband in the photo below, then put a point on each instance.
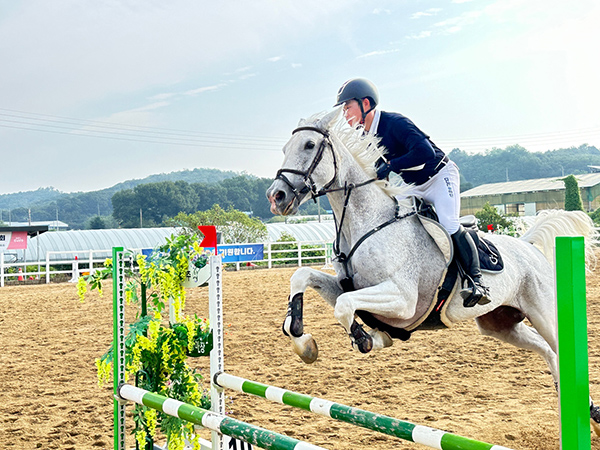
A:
(309, 184)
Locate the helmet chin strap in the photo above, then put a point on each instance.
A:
(363, 113)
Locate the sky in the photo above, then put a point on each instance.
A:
(93, 93)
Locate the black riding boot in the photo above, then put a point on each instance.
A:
(476, 293)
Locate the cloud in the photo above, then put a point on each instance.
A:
(421, 35)
(162, 96)
(461, 1)
(205, 89)
(377, 53)
(275, 58)
(429, 12)
(87, 53)
(150, 107)
(378, 11)
(141, 116)
(455, 24)
(296, 65)
(247, 75)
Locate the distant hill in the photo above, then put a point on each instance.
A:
(189, 176)
(76, 208)
(48, 194)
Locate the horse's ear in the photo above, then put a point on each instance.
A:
(329, 118)
(301, 123)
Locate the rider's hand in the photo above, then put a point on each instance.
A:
(383, 170)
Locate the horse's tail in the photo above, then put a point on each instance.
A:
(553, 223)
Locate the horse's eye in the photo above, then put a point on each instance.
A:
(309, 145)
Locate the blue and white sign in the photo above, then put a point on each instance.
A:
(231, 253)
(241, 252)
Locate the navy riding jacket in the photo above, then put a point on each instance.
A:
(408, 147)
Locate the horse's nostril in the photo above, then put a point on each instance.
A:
(279, 196)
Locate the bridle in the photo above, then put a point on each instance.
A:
(309, 184)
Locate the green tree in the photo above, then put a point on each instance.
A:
(235, 226)
(209, 195)
(464, 184)
(97, 223)
(126, 208)
(572, 194)
(595, 215)
(165, 199)
(489, 215)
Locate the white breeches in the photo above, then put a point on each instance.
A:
(443, 191)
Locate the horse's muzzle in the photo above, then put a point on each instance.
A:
(283, 201)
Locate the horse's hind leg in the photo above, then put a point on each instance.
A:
(505, 323)
(327, 286)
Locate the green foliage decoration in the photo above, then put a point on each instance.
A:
(489, 215)
(156, 350)
(572, 194)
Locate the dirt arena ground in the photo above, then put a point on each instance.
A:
(454, 380)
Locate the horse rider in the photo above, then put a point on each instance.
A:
(412, 155)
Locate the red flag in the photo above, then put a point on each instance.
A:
(210, 236)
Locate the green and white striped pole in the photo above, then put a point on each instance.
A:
(376, 422)
(254, 435)
(572, 343)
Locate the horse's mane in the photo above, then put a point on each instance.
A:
(365, 149)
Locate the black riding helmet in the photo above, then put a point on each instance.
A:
(358, 89)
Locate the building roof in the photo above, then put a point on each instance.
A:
(538, 185)
(82, 241)
(49, 224)
(31, 230)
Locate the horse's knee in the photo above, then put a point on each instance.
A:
(344, 312)
(299, 279)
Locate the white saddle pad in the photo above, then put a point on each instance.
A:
(440, 236)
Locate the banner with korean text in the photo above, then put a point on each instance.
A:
(241, 252)
(13, 240)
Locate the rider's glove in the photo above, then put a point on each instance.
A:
(383, 170)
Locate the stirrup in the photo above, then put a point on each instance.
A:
(475, 295)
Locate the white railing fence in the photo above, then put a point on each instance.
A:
(69, 265)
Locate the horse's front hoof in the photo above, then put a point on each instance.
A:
(595, 427)
(306, 348)
(381, 339)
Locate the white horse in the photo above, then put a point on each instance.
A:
(388, 265)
